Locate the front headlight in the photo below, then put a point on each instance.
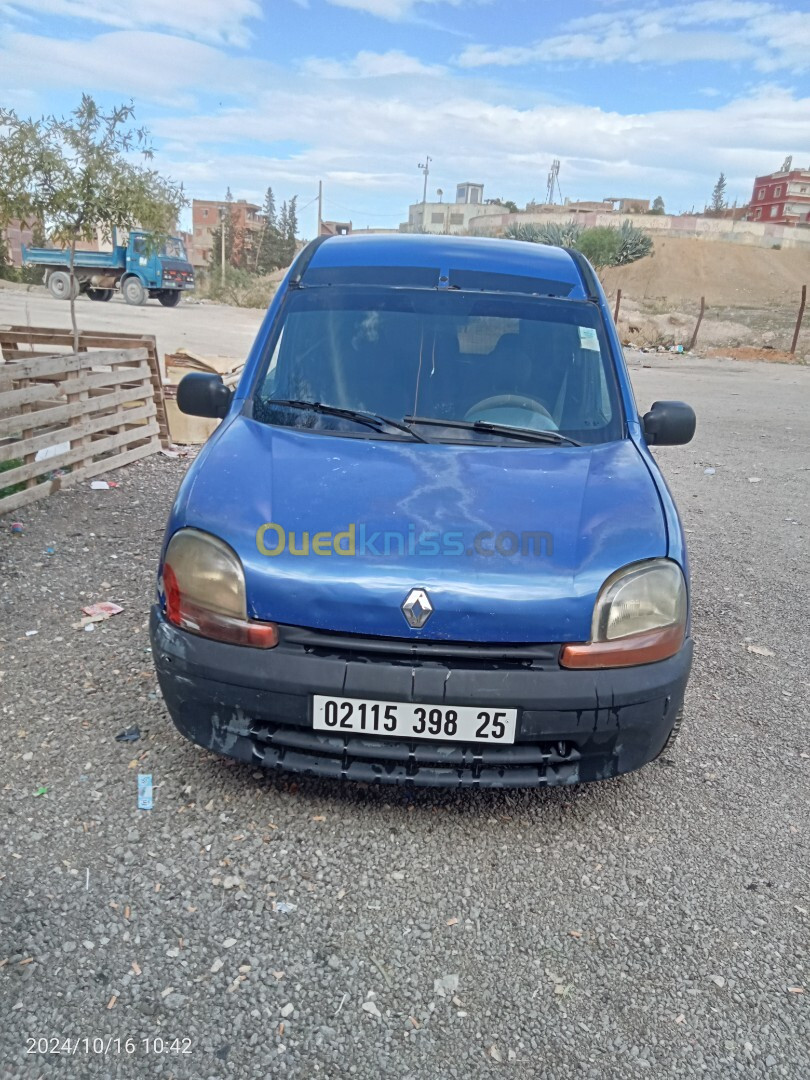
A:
(640, 598)
(204, 591)
(639, 617)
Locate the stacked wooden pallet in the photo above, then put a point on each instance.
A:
(28, 342)
(67, 417)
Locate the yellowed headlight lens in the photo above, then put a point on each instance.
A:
(649, 596)
(209, 574)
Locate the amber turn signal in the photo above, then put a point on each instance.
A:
(644, 648)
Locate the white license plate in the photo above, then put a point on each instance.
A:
(456, 723)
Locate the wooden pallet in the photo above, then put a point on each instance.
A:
(93, 410)
(26, 342)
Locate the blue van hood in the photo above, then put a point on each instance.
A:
(598, 507)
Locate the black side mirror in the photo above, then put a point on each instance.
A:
(201, 394)
(669, 423)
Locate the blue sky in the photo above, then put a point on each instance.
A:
(634, 98)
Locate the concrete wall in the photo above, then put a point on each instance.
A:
(755, 233)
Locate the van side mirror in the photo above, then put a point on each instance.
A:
(203, 394)
(669, 423)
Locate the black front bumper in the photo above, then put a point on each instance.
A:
(254, 705)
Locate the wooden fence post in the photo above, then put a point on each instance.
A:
(691, 344)
(799, 320)
(618, 305)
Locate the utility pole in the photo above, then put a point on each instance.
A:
(320, 205)
(222, 245)
(425, 169)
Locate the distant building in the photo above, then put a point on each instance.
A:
(439, 217)
(629, 206)
(346, 228)
(335, 228)
(205, 220)
(583, 206)
(782, 198)
(15, 234)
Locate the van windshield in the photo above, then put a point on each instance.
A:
(516, 361)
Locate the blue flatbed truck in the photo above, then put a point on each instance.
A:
(140, 272)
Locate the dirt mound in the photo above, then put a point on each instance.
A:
(684, 269)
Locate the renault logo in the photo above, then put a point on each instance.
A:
(417, 608)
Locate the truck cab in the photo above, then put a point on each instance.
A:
(162, 274)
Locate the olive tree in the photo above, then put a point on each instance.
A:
(82, 175)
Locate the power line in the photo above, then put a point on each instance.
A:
(359, 213)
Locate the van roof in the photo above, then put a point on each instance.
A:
(514, 258)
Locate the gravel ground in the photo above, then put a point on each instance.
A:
(654, 925)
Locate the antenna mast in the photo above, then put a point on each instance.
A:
(553, 182)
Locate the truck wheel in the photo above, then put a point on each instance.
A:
(59, 285)
(100, 294)
(169, 297)
(134, 292)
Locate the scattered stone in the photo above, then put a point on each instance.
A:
(446, 984)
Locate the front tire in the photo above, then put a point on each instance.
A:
(59, 285)
(676, 731)
(169, 297)
(100, 294)
(134, 293)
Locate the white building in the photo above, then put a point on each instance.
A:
(441, 217)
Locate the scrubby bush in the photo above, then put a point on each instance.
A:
(558, 235)
(634, 244)
(239, 289)
(604, 245)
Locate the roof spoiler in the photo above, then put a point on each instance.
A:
(304, 259)
(589, 278)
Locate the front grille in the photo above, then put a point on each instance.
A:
(422, 762)
(540, 657)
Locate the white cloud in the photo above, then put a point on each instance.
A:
(150, 66)
(218, 21)
(370, 65)
(393, 10)
(767, 36)
(678, 153)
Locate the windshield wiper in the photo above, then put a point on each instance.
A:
(553, 437)
(372, 420)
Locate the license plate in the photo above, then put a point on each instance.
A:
(455, 723)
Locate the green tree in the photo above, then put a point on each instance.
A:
(291, 234)
(718, 203)
(600, 246)
(658, 205)
(288, 229)
(269, 255)
(76, 175)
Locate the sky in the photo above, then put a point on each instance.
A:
(635, 99)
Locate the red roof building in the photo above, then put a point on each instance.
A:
(782, 198)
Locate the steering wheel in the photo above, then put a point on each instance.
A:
(508, 401)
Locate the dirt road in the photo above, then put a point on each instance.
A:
(201, 327)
